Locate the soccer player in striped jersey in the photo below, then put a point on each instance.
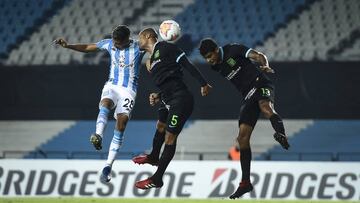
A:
(119, 91)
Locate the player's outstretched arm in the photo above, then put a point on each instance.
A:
(205, 87)
(260, 58)
(77, 47)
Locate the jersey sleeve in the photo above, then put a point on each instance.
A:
(185, 63)
(173, 52)
(104, 44)
(242, 50)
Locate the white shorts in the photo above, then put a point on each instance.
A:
(123, 99)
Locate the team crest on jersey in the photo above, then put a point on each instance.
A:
(231, 62)
(157, 54)
(121, 63)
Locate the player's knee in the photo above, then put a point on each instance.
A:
(121, 122)
(109, 104)
(242, 138)
(170, 138)
(160, 126)
(266, 109)
(121, 127)
(244, 141)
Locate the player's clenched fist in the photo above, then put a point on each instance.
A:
(154, 98)
(205, 90)
(61, 42)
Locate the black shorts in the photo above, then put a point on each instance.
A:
(176, 112)
(250, 110)
(162, 113)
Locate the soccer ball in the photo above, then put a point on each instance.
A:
(169, 30)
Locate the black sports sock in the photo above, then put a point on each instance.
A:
(245, 159)
(166, 157)
(158, 141)
(277, 123)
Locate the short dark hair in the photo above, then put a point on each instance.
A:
(121, 32)
(150, 31)
(207, 45)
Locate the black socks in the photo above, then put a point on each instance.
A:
(245, 159)
(277, 123)
(166, 157)
(158, 141)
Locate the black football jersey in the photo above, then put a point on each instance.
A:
(235, 67)
(165, 69)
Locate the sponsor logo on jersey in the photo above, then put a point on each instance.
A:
(250, 93)
(157, 54)
(233, 73)
(231, 62)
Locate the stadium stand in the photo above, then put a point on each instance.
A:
(220, 135)
(79, 21)
(348, 49)
(314, 32)
(74, 142)
(17, 19)
(90, 21)
(157, 12)
(60, 139)
(296, 30)
(246, 21)
(18, 137)
(323, 140)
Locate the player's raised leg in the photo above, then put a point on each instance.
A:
(177, 116)
(104, 109)
(166, 157)
(158, 140)
(267, 108)
(116, 143)
(243, 139)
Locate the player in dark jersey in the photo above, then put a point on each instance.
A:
(235, 63)
(165, 66)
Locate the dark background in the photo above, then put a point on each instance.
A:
(326, 90)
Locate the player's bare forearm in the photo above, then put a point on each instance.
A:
(77, 47)
(258, 57)
(261, 59)
(86, 48)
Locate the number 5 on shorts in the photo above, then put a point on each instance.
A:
(174, 120)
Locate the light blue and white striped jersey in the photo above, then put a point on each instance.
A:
(124, 64)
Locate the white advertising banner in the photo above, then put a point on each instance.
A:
(183, 179)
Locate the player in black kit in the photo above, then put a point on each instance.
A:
(235, 63)
(165, 67)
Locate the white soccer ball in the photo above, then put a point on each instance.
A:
(169, 30)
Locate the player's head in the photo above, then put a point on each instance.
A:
(146, 35)
(121, 36)
(210, 51)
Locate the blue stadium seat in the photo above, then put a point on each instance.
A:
(337, 136)
(284, 156)
(349, 156)
(248, 17)
(138, 137)
(20, 15)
